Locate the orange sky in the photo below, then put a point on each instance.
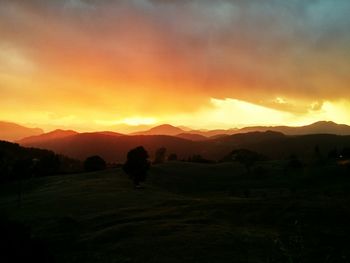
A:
(92, 65)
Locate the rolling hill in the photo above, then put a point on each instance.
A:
(186, 213)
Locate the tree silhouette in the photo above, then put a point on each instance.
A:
(160, 155)
(94, 163)
(137, 165)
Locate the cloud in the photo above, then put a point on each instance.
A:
(122, 55)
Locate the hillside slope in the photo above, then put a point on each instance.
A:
(186, 213)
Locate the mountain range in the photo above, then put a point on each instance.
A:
(15, 132)
(274, 142)
(12, 132)
(113, 148)
(321, 127)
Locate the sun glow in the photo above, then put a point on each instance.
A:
(132, 121)
(135, 121)
(231, 113)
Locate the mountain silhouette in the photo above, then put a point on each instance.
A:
(53, 135)
(10, 131)
(164, 129)
(214, 133)
(192, 136)
(110, 133)
(113, 148)
(321, 127)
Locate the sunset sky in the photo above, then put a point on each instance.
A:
(103, 64)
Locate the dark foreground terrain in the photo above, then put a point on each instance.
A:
(186, 213)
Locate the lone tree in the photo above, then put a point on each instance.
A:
(160, 155)
(94, 163)
(137, 165)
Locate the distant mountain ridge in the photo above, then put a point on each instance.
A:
(192, 136)
(164, 129)
(53, 135)
(60, 134)
(114, 148)
(14, 132)
(321, 127)
(10, 131)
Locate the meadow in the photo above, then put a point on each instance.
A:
(187, 212)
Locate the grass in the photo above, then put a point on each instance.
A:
(189, 213)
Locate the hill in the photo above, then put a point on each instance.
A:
(20, 162)
(186, 213)
(12, 132)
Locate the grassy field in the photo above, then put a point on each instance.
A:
(188, 213)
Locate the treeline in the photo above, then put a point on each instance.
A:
(17, 162)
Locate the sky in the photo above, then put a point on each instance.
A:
(103, 64)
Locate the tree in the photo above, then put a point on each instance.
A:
(160, 155)
(94, 163)
(137, 165)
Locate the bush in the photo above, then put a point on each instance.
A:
(137, 165)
